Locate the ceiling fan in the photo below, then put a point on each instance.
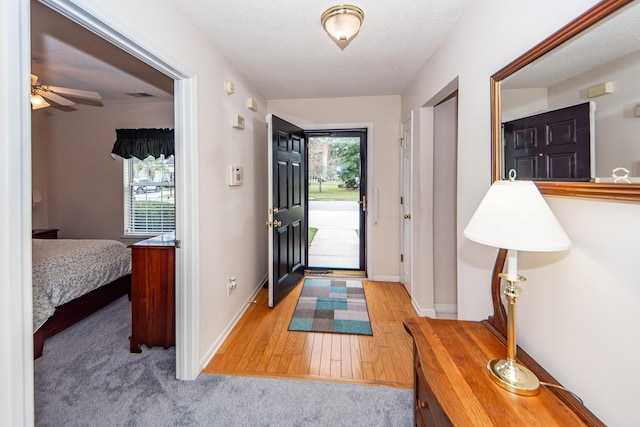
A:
(53, 93)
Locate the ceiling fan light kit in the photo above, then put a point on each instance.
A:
(53, 93)
(342, 23)
(37, 101)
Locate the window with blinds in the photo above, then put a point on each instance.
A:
(149, 196)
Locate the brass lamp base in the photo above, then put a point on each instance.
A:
(513, 377)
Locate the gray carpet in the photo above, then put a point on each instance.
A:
(87, 377)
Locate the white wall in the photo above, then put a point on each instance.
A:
(384, 113)
(578, 310)
(83, 185)
(617, 129)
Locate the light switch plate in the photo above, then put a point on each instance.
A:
(238, 121)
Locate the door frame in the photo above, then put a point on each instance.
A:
(362, 214)
(372, 200)
(16, 44)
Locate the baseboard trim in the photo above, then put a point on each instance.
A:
(386, 278)
(232, 324)
(423, 312)
(446, 308)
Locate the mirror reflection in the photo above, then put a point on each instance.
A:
(599, 69)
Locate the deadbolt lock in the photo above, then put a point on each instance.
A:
(407, 216)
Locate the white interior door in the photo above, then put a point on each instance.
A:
(406, 151)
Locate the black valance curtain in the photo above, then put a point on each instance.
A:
(142, 143)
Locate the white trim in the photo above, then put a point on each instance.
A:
(423, 312)
(386, 279)
(16, 321)
(187, 261)
(270, 203)
(187, 221)
(446, 308)
(232, 324)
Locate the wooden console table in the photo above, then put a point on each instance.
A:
(153, 320)
(453, 387)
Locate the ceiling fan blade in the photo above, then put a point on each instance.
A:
(77, 93)
(55, 98)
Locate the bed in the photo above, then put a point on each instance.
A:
(74, 278)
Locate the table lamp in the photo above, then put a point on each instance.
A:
(513, 215)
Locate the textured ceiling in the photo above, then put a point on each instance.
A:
(66, 55)
(281, 47)
(278, 45)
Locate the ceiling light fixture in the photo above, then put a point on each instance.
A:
(342, 23)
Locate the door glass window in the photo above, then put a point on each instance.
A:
(334, 169)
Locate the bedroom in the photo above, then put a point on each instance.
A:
(79, 189)
(601, 226)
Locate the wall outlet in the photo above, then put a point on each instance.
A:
(231, 285)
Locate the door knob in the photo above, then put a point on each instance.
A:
(407, 216)
(277, 223)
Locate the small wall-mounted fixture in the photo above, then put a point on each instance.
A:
(36, 198)
(235, 175)
(599, 90)
(252, 104)
(342, 23)
(238, 121)
(228, 87)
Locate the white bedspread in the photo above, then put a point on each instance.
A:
(65, 269)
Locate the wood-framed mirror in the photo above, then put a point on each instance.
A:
(550, 91)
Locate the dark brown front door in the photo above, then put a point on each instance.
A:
(287, 219)
(555, 145)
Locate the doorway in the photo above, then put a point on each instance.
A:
(336, 201)
(445, 152)
(406, 197)
(187, 263)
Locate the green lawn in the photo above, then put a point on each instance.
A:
(312, 233)
(330, 191)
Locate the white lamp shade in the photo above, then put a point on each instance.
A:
(514, 215)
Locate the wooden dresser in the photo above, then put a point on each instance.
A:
(153, 293)
(453, 387)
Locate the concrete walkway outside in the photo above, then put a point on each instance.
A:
(336, 244)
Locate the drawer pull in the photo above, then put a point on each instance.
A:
(422, 405)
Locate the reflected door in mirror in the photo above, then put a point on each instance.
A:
(556, 145)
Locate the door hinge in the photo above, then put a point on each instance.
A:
(401, 140)
(177, 244)
(401, 257)
(401, 200)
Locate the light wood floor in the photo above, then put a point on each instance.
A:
(262, 345)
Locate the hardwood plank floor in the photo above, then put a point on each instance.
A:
(262, 345)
